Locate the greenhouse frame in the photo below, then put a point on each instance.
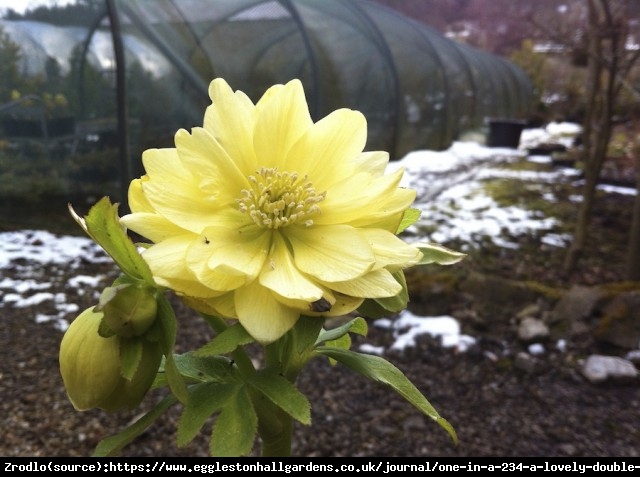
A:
(98, 94)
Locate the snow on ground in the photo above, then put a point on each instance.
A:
(449, 194)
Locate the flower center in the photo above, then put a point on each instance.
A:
(277, 199)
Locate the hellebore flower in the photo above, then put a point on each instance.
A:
(263, 215)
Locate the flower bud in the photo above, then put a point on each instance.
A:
(90, 367)
(129, 310)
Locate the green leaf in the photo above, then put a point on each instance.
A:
(161, 376)
(205, 399)
(382, 371)
(102, 224)
(344, 342)
(306, 332)
(130, 356)
(103, 329)
(227, 341)
(283, 394)
(175, 380)
(235, 428)
(169, 324)
(357, 325)
(435, 253)
(370, 308)
(207, 368)
(112, 445)
(167, 319)
(409, 218)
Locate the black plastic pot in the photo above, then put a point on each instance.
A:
(505, 132)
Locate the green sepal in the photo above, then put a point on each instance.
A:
(383, 372)
(226, 341)
(167, 319)
(205, 399)
(129, 309)
(130, 356)
(409, 218)
(102, 224)
(436, 253)
(104, 330)
(358, 325)
(234, 431)
(112, 445)
(283, 394)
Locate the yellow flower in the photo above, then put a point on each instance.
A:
(263, 215)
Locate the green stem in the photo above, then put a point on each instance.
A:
(279, 444)
(274, 425)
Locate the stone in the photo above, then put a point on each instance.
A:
(598, 369)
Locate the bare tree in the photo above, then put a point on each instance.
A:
(608, 64)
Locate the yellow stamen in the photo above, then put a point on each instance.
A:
(278, 199)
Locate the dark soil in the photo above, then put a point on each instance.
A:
(496, 408)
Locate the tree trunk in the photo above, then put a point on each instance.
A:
(601, 95)
(633, 255)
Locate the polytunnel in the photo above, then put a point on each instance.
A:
(136, 71)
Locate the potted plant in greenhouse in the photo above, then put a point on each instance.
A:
(266, 225)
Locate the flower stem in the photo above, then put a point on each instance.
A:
(274, 425)
(279, 444)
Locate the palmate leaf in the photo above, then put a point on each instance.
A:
(227, 341)
(204, 368)
(236, 426)
(205, 399)
(382, 371)
(283, 394)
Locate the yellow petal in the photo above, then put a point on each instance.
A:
(360, 200)
(281, 275)
(331, 253)
(373, 162)
(222, 306)
(137, 201)
(244, 249)
(221, 277)
(327, 151)
(230, 119)
(214, 171)
(264, 317)
(336, 304)
(282, 119)
(390, 250)
(167, 261)
(151, 226)
(376, 284)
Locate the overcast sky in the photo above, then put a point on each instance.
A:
(21, 6)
